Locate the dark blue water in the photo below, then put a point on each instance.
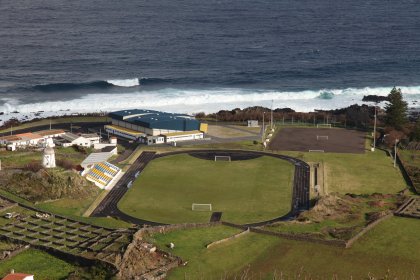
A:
(56, 50)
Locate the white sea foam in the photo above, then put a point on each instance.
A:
(125, 83)
(210, 100)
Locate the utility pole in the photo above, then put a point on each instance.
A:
(50, 124)
(374, 132)
(395, 153)
(272, 102)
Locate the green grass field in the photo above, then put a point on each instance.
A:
(393, 245)
(357, 173)
(245, 191)
(40, 264)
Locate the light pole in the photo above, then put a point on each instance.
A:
(263, 130)
(395, 153)
(374, 132)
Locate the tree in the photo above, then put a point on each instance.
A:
(396, 109)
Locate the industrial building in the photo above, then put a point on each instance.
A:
(155, 127)
(69, 139)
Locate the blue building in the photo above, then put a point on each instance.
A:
(156, 126)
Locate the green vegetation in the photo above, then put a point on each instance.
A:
(344, 173)
(391, 245)
(396, 109)
(21, 158)
(339, 216)
(40, 264)
(245, 191)
(357, 173)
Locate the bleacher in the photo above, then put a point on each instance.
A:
(102, 173)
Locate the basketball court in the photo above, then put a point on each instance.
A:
(333, 140)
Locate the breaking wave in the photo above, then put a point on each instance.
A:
(125, 83)
(209, 100)
(91, 86)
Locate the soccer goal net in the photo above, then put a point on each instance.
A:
(323, 125)
(316, 151)
(222, 158)
(321, 137)
(201, 207)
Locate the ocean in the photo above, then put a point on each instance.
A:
(192, 56)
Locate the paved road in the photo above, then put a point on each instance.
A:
(300, 198)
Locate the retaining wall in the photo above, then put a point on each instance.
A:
(228, 238)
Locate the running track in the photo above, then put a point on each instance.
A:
(300, 197)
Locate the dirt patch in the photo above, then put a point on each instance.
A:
(326, 139)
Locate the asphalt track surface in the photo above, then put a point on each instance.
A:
(300, 196)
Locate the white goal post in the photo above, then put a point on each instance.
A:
(201, 207)
(321, 137)
(323, 125)
(222, 158)
(316, 151)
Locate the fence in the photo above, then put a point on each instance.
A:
(406, 174)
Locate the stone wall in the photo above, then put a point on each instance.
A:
(228, 238)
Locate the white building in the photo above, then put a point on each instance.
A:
(183, 136)
(29, 139)
(70, 139)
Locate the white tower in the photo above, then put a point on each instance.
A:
(48, 160)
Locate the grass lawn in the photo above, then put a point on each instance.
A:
(392, 245)
(245, 191)
(40, 264)
(357, 173)
(67, 206)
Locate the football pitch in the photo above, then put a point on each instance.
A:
(245, 191)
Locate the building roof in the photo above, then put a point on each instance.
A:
(11, 138)
(156, 119)
(95, 158)
(89, 135)
(70, 137)
(29, 136)
(16, 276)
(50, 132)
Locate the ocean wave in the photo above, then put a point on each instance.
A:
(91, 86)
(211, 100)
(125, 83)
